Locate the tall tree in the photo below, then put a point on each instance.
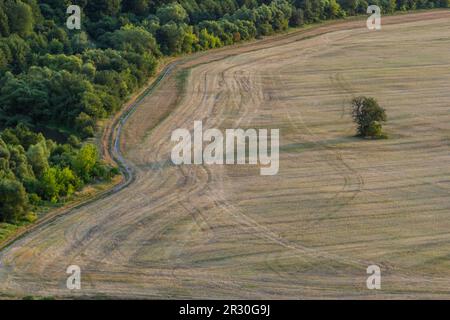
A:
(20, 17)
(13, 200)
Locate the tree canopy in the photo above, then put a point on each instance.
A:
(369, 117)
(34, 169)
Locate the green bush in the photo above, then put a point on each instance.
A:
(368, 116)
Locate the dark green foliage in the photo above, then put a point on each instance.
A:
(45, 96)
(176, 39)
(38, 158)
(97, 8)
(13, 200)
(368, 115)
(35, 169)
(20, 17)
(172, 12)
(16, 53)
(4, 23)
(54, 77)
(138, 7)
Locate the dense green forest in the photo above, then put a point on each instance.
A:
(57, 83)
(33, 169)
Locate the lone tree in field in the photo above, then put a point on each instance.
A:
(368, 115)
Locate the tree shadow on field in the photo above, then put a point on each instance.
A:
(319, 144)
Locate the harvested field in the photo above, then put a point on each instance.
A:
(338, 204)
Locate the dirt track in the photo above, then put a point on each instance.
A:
(338, 205)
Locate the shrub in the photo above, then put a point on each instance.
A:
(368, 115)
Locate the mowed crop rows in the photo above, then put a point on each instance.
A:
(338, 204)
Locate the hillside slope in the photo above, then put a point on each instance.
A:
(338, 204)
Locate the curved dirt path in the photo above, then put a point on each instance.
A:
(336, 206)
